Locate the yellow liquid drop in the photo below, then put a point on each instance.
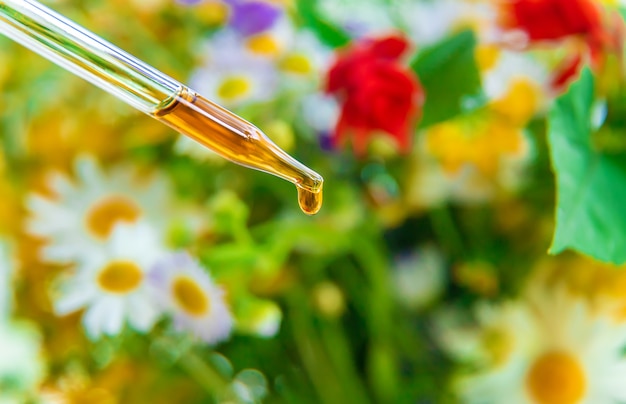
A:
(310, 202)
(237, 140)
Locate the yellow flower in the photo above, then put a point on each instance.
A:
(486, 56)
(477, 142)
(520, 102)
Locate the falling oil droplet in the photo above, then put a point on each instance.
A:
(310, 202)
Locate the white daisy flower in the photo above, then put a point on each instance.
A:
(189, 294)
(111, 285)
(306, 56)
(81, 215)
(272, 43)
(232, 76)
(562, 354)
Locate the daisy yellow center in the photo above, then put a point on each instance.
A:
(190, 296)
(105, 213)
(263, 44)
(234, 87)
(556, 378)
(120, 277)
(298, 64)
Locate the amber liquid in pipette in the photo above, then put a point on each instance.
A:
(240, 142)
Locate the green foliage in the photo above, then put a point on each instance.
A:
(591, 183)
(450, 78)
(328, 33)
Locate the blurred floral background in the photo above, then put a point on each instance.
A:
(470, 244)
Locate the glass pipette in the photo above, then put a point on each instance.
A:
(85, 54)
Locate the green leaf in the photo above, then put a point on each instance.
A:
(591, 183)
(450, 78)
(328, 33)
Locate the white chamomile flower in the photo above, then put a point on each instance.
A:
(196, 303)
(304, 64)
(233, 76)
(80, 216)
(564, 354)
(272, 43)
(112, 285)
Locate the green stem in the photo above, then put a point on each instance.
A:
(446, 230)
(338, 349)
(314, 358)
(382, 367)
(205, 375)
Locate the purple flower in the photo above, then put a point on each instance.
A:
(326, 141)
(252, 17)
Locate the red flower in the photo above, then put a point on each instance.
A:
(566, 72)
(554, 19)
(376, 93)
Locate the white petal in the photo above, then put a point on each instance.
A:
(93, 319)
(59, 254)
(142, 313)
(87, 171)
(61, 184)
(73, 300)
(113, 320)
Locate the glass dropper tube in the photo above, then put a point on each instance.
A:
(85, 54)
